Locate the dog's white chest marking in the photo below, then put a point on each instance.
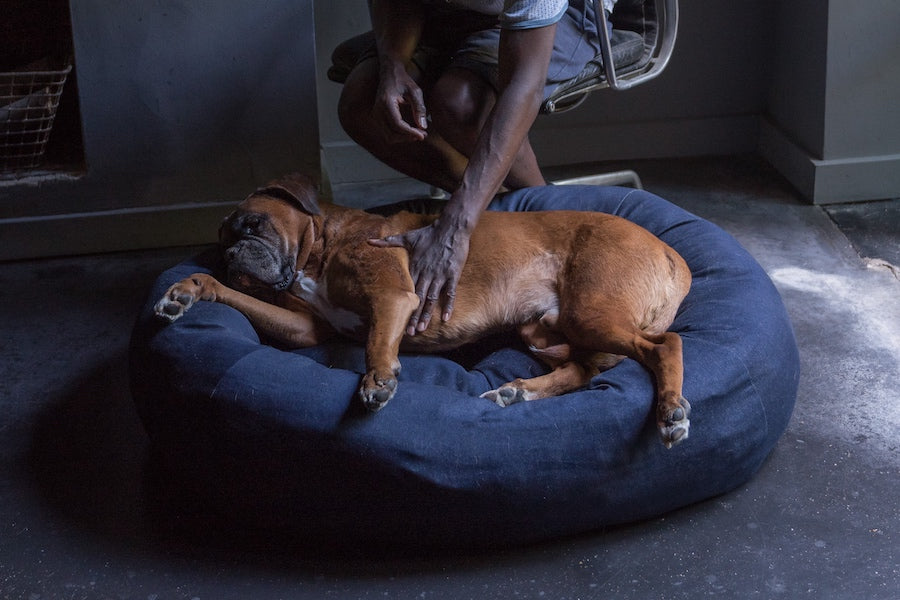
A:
(316, 294)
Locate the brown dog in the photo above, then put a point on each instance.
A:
(583, 289)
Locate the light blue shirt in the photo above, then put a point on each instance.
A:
(528, 14)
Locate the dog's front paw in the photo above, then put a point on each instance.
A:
(376, 391)
(173, 305)
(180, 297)
(673, 422)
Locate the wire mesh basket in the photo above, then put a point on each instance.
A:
(28, 103)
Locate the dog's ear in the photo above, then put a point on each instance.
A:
(226, 222)
(296, 188)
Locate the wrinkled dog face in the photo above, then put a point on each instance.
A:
(256, 255)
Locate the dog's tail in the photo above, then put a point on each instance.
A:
(553, 355)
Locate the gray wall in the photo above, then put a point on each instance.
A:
(186, 105)
(833, 125)
(706, 101)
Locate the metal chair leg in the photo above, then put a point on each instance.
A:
(625, 178)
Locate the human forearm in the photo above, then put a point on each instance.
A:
(399, 106)
(398, 27)
(524, 57)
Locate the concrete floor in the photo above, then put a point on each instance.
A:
(82, 516)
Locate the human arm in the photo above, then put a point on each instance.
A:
(399, 106)
(438, 252)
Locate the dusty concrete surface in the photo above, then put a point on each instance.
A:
(81, 517)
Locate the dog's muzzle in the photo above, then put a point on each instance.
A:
(253, 265)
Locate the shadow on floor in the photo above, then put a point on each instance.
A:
(92, 466)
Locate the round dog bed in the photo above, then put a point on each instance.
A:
(277, 438)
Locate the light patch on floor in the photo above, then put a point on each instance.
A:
(877, 310)
(863, 357)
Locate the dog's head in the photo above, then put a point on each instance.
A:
(269, 233)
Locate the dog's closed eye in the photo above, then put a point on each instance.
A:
(251, 224)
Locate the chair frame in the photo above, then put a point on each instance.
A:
(652, 67)
(661, 52)
(667, 18)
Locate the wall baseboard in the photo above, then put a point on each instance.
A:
(111, 231)
(346, 163)
(830, 181)
(676, 138)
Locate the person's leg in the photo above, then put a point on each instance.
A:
(525, 171)
(464, 95)
(433, 160)
(460, 102)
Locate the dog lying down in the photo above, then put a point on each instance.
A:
(583, 289)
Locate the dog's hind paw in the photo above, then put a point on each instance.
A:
(506, 395)
(674, 424)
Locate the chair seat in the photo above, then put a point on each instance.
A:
(627, 52)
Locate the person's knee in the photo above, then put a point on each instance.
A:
(459, 105)
(354, 105)
(450, 106)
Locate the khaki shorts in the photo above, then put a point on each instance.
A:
(454, 38)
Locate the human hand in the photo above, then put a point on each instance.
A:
(437, 254)
(399, 105)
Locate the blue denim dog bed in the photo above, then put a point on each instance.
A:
(277, 439)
